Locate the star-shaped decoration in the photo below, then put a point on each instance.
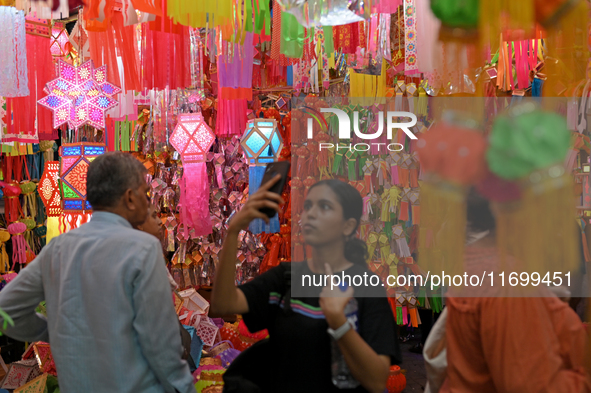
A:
(80, 95)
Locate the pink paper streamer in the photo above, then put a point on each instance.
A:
(394, 175)
(387, 6)
(404, 315)
(427, 36)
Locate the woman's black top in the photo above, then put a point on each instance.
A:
(301, 344)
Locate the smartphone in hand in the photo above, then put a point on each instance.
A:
(272, 170)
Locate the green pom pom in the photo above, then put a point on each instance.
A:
(455, 13)
(526, 143)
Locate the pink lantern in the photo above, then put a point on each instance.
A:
(80, 95)
(192, 139)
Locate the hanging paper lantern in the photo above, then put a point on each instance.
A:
(49, 192)
(74, 161)
(21, 252)
(59, 39)
(262, 144)
(80, 95)
(192, 138)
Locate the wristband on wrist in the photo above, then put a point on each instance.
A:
(340, 332)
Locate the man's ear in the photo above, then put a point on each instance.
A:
(128, 199)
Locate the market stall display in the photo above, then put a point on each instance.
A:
(206, 94)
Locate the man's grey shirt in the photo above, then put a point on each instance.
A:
(110, 316)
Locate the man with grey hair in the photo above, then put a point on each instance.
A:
(110, 318)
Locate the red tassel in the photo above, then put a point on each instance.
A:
(403, 216)
(298, 252)
(414, 177)
(403, 177)
(416, 214)
(413, 317)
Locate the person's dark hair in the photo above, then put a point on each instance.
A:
(352, 204)
(110, 175)
(479, 215)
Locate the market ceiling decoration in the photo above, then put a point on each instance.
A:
(80, 95)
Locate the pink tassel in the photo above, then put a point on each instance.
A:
(19, 245)
(394, 175)
(197, 197)
(404, 315)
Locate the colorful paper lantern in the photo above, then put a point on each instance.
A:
(59, 39)
(74, 161)
(49, 192)
(262, 144)
(192, 138)
(80, 95)
(48, 188)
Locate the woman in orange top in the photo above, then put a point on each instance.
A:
(501, 343)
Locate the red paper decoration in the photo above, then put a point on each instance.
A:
(48, 188)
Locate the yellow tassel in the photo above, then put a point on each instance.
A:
(53, 228)
(544, 218)
(442, 233)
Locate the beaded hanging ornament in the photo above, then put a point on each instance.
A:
(74, 161)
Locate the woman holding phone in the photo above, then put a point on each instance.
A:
(300, 340)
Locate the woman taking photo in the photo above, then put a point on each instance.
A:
(300, 340)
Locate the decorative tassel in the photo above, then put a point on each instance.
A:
(413, 317)
(69, 221)
(403, 176)
(298, 249)
(403, 247)
(4, 262)
(31, 224)
(21, 253)
(12, 204)
(40, 232)
(414, 177)
(403, 215)
(416, 214)
(422, 102)
(53, 228)
(29, 207)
